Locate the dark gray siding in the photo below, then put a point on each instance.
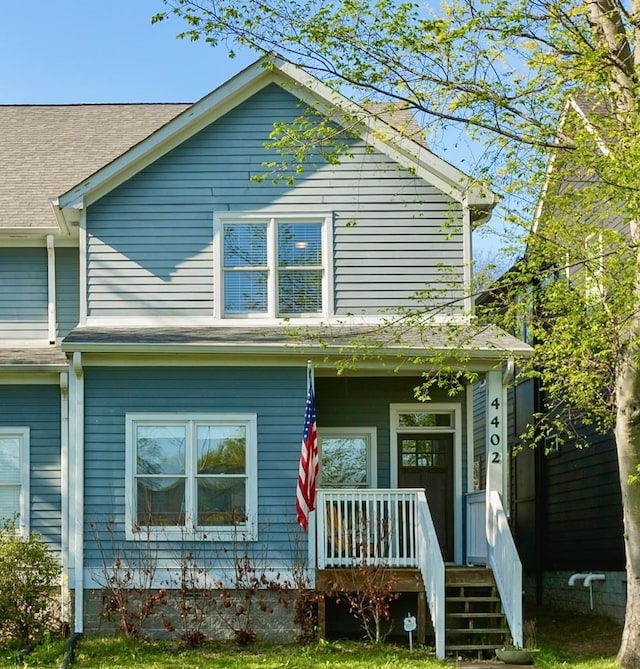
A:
(583, 527)
(38, 408)
(67, 289)
(364, 402)
(150, 240)
(23, 294)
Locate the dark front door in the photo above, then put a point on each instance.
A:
(425, 460)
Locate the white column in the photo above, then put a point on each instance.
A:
(496, 432)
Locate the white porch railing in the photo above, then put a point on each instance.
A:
(432, 569)
(358, 525)
(476, 528)
(393, 527)
(505, 563)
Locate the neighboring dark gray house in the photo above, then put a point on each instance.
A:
(564, 502)
(158, 308)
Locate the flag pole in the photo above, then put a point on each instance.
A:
(308, 466)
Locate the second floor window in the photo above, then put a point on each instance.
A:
(271, 267)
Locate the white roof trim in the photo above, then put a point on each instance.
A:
(383, 137)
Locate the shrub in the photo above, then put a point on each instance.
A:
(28, 579)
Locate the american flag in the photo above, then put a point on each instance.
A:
(308, 470)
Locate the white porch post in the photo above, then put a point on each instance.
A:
(496, 432)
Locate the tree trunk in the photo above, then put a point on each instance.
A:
(627, 433)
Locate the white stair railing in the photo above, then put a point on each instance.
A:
(503, 559)
(431, 566)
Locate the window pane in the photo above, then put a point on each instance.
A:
(221, 449)
(344, 461)
(245, 244)
(9, 501)
(300, 292)
(160, 501)
(221, 501)
(9, 460)
(160, 449)
(245, 292)
(424, 419)
(299, 244)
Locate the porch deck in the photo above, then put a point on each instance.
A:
(393, 528)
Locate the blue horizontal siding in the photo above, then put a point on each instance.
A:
(276, 395)
(38, 408)
(23, 294)
(149, 241)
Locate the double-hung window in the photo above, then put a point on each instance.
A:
(14, 476)
(190, 474)
(348, 457)
(271, 266)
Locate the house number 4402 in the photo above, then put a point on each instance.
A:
(494, 435)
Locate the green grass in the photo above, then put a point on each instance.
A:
(117, 653)
(565, 640)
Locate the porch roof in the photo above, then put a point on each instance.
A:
(36, 358)
(471, 340)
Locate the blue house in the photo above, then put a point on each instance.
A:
(159, 304)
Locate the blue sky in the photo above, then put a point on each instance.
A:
(73, 51)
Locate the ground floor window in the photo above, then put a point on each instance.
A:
(347, 457)
(191, 473)
(14, 476)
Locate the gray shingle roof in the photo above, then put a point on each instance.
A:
(45, 150)
(46, 358)
(473, 339)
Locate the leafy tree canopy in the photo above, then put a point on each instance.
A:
(551, 88)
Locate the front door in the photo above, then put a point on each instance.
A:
(425, 460)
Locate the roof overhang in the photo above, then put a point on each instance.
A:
(476, 348)
(404, 150)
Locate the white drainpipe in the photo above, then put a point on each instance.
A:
(64, 489)
(588, 582)
(51, 287)
(77, 502)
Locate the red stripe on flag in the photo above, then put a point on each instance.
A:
(308, 469)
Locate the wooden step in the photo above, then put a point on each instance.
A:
(474, 619)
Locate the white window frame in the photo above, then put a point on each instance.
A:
(271, 220)
(370, 434)
(23, 435)
(246, 530)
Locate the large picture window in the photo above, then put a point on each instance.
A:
(191, 473)
(271, 267)
(14, 476)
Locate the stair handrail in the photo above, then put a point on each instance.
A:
(431, 566)
(504, 561)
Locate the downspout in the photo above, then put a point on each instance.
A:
(51, 289)
(64, 491)
(78, 493)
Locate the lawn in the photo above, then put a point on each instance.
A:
(566, 641)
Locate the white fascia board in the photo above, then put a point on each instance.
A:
(383, 137)
(185, 125)
(23, 234)
(477, 360)
(393, 143)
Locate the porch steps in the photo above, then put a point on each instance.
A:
(475, 624)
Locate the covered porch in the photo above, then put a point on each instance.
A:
(394, 528)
